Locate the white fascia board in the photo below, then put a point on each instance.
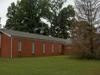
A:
(6, 34)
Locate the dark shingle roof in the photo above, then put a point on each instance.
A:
(34, 36)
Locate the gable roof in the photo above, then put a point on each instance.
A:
(34, 36)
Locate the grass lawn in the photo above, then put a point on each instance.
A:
(56, 65)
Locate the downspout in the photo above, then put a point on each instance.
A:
(11, 48)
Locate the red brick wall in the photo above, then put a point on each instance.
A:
(48, 49)
(57, 47)
(14, 47)
(26, 50)
(27, 47)
(5, 46)
(67, 49)
(38, 48)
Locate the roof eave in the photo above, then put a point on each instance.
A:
(5, 33)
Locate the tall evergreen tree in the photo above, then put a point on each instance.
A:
(26, 16)
(11, 13)
(65, 21)
(59, 20)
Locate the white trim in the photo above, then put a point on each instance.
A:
(33, 47)
(11, 48)
(19, 45)
(43, 48)
(6, 34)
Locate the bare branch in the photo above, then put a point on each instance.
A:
(84, 9)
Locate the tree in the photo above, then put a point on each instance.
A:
(11, 13)
(81, 39)
(65, 21)
(88, 10)
(59, 18)
(26, 16)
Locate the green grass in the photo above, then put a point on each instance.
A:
(57, 65)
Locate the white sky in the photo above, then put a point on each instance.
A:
(4, 4)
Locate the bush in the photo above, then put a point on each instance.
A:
(83, 51)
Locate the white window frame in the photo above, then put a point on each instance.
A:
(19, 45)
(33, 48)
(43, 48)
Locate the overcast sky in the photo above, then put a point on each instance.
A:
(4, 4)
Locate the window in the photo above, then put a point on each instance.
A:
(52, 48)
(19, 46)
(43, 48)
(33, 48)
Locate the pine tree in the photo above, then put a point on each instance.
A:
(27, 16)
(61, 19)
